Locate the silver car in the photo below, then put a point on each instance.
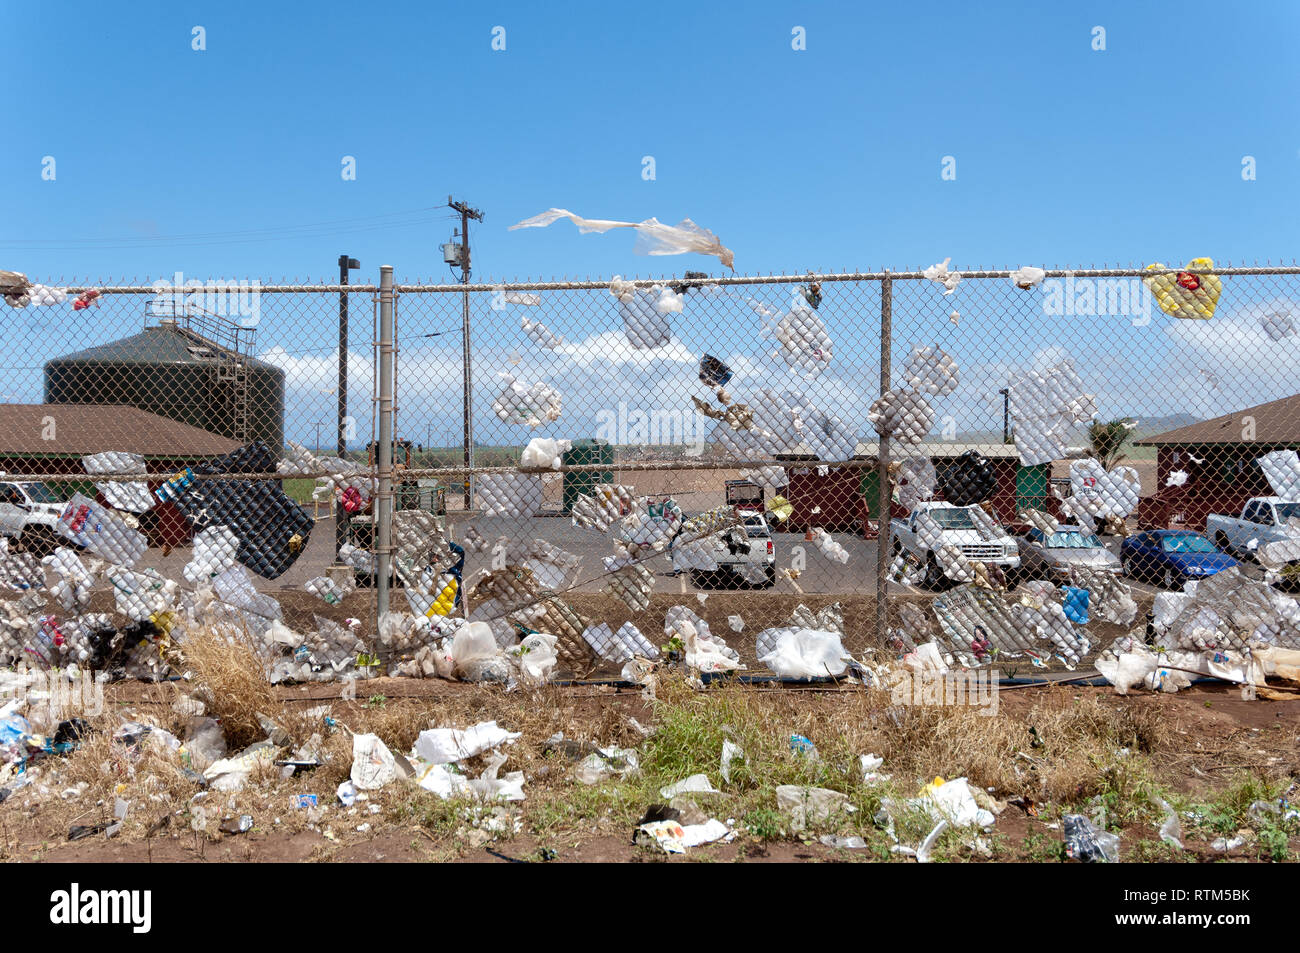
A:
(1070, 547)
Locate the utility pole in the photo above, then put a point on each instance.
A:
(319, 424)
(1006, 414)
(466, 213)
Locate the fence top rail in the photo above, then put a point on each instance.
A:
(603, 284)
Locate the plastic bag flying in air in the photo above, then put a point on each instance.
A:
(653, 238)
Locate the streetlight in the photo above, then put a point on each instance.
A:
(1006, 414)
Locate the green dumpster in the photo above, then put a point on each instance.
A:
(1031, 487)
(586, 452)
(871, 490)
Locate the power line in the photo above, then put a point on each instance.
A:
(367, 223)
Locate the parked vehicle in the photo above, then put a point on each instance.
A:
(973, 534)
(1263, 520)
(1169, 557)
(744, 552)
(1070, 547)
(29, 515)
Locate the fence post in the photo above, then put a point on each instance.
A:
(882, 464)
(384, 454)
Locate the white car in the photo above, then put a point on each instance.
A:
(967, 529)
(745, 551)
(29, 515)
(1264, 519)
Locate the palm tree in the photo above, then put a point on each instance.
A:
(1107, 440)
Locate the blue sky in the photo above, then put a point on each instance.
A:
(226, 162)
(827, 157)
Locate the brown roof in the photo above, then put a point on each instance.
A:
(1275, 422)
(80, 429)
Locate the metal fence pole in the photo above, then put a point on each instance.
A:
(882, 464)
(384, 499)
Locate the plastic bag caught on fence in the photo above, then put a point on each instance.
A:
(702, 649)
(1186, 295)
(510, 494)
(940, 275)
(969, 479)
(829, 548)
(541, 335)
(142, 595)
(1027, 276)
(802, 652)
(600, 509)
(272, 529)
(645, 323)
(631, 582)
(915, 481)
(1104, 494)
(1045, 407)
(101, 531)
(1278, 325)
(72, 580)
(901, 414)
(527, 405)
(653, 237)
(214, 552)
(931, 370)
(619, 646)
(1282, 470)
(544, 453)
(123, 496)
(805, 344)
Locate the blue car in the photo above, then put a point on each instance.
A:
(1170, 557)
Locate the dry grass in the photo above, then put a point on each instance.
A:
(230, 678)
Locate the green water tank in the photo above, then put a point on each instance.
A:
(586, 452)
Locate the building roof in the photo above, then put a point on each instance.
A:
(163, 344)
(79, 429)
(1275, 422)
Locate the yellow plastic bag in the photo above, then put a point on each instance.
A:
(1186, 295)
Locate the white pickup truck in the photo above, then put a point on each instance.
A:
(29, 515)
(973, 534)
(1263, 520)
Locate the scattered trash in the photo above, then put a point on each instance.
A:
(1085, 842)
(730, 752)
(695, 784)
(806, 806)
(237, 825)
(846, 843)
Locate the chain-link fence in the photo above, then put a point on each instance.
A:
(1010, 464)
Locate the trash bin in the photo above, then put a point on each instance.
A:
(586, 452)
